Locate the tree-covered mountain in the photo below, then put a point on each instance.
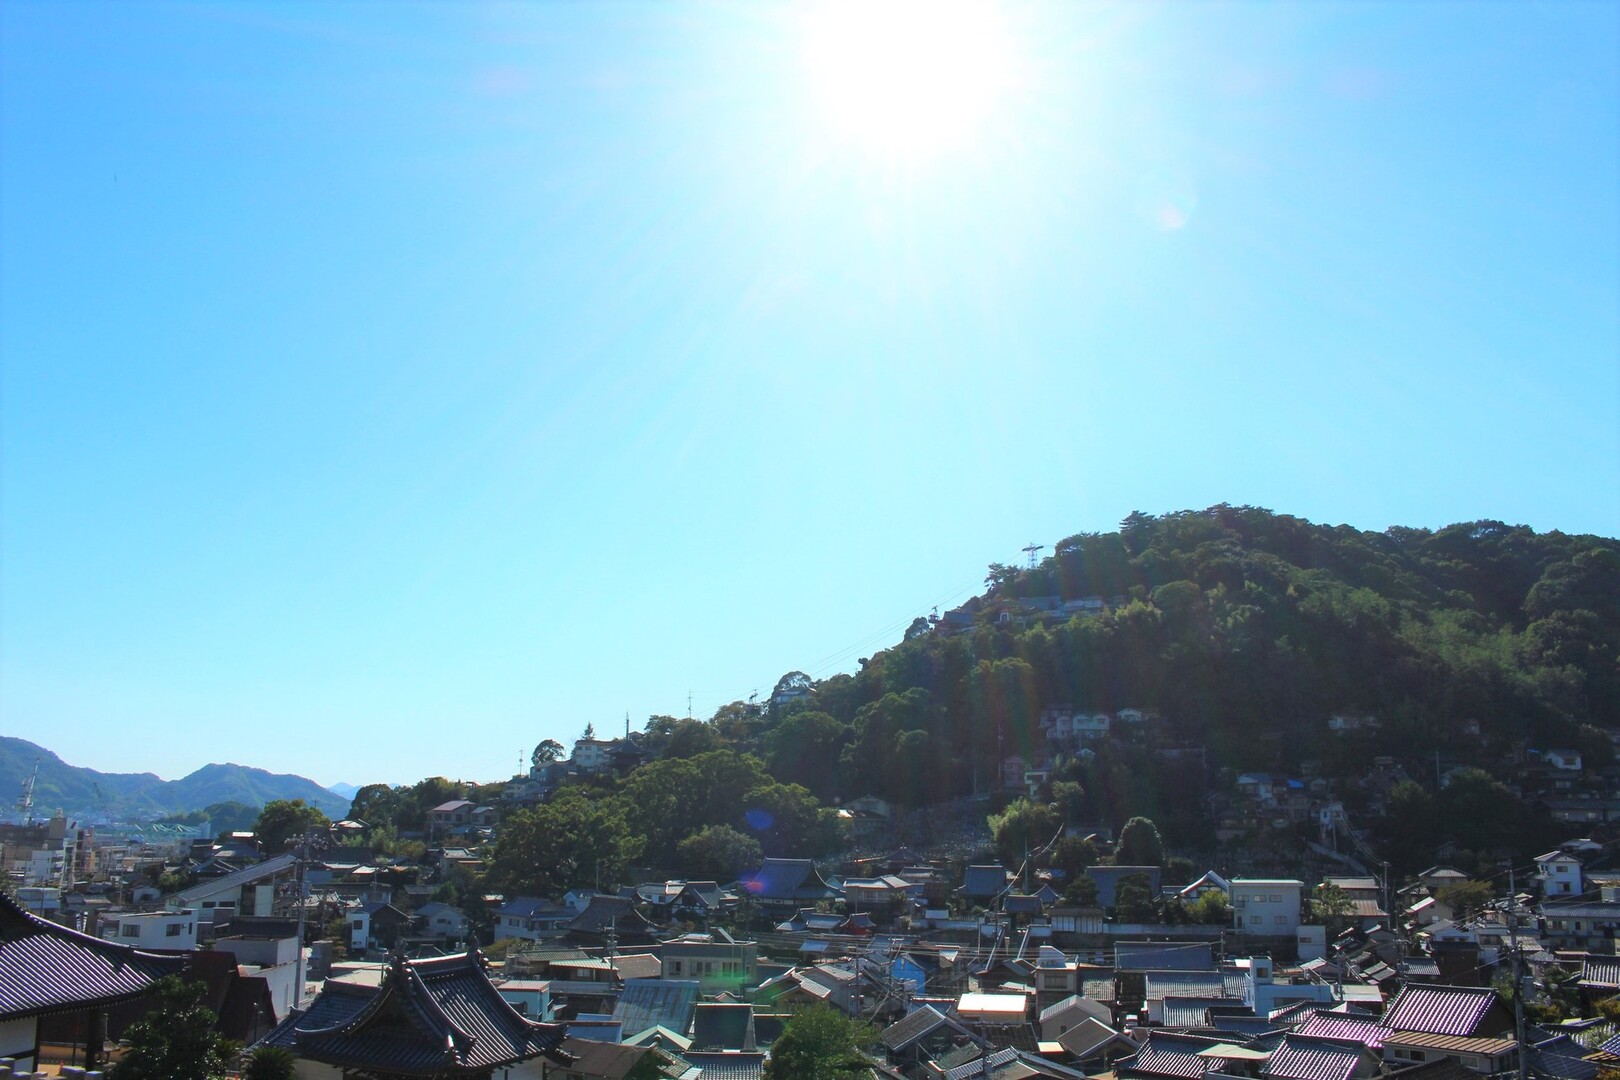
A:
(1244, 632)
(80, 791)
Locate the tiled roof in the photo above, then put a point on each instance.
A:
(1303, 1058)
(787, 879)
(1440, 1010)
(1446, 1068)
(1163, 984)
(1168, 1054)
(605, 912)
(1088, 1037)
(913, 1026)
(428, 1017)
(649, 1003)
(727, 1066)
(1601, 972)
(1195, 1011)
(1332, 1025)
(984, 881)
(49, 968)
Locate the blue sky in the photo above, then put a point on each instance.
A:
(389, 387)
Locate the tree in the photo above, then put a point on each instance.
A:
(1465, 898)
(1333, 907)
(1133, 899)
(561, 845)
(271, 1063)
(719, 852)
(1211, 909)
(546, 752)
(1139, 844)
(1073, 854)
(283, 819)
(820, 1043)
(1021, 826)
(590, 731)
(176, 1041)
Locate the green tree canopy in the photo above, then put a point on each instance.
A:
(561, 845)
(177, 1040)
(284, 820)
(718, 852)
(820, 1043)
(1139, 844)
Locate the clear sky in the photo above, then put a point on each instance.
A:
(388, 387)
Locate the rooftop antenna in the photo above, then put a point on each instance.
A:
(25, 801)
(1031, 550)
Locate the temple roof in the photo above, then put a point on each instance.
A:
(48, 968)
(429, 1017)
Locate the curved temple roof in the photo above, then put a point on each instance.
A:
(429, 1017)
(46, 968)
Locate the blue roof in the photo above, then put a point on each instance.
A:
(650, 1003)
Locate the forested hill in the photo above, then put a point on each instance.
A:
(1245, 631)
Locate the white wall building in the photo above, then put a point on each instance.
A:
(1266, 907)
(154, 929)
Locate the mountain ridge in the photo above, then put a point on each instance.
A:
(80, 791)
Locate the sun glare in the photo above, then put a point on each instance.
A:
(907, 79)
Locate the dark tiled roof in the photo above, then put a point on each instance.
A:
(722, 1027)
(429, 1017)
(913, 1026)
(787, 879)
(984, 881)
(49, 968)
(1440, 1010)
(608, 912)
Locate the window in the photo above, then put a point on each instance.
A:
(1256, 920)
(1276, 898)
(1282, 920)
(172, 930)
(130, 929)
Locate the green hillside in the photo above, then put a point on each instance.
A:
(132, 796)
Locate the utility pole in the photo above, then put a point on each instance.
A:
(1518, 985)
(303, 859)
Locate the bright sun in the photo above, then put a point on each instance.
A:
(904, 78)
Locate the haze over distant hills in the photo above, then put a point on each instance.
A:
(83, 792)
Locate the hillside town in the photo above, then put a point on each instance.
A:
(1138, 965)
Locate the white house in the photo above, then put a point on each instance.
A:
(154, 930)
(1266, 907)
(1559, 873)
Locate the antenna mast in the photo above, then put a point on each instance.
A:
(25, 801)
(1031, 551)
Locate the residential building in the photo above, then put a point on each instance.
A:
(172, 930)
(1267, 907)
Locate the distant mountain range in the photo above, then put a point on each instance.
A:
(345, 791)
(87, 793)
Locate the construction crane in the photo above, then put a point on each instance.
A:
(25, 801)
